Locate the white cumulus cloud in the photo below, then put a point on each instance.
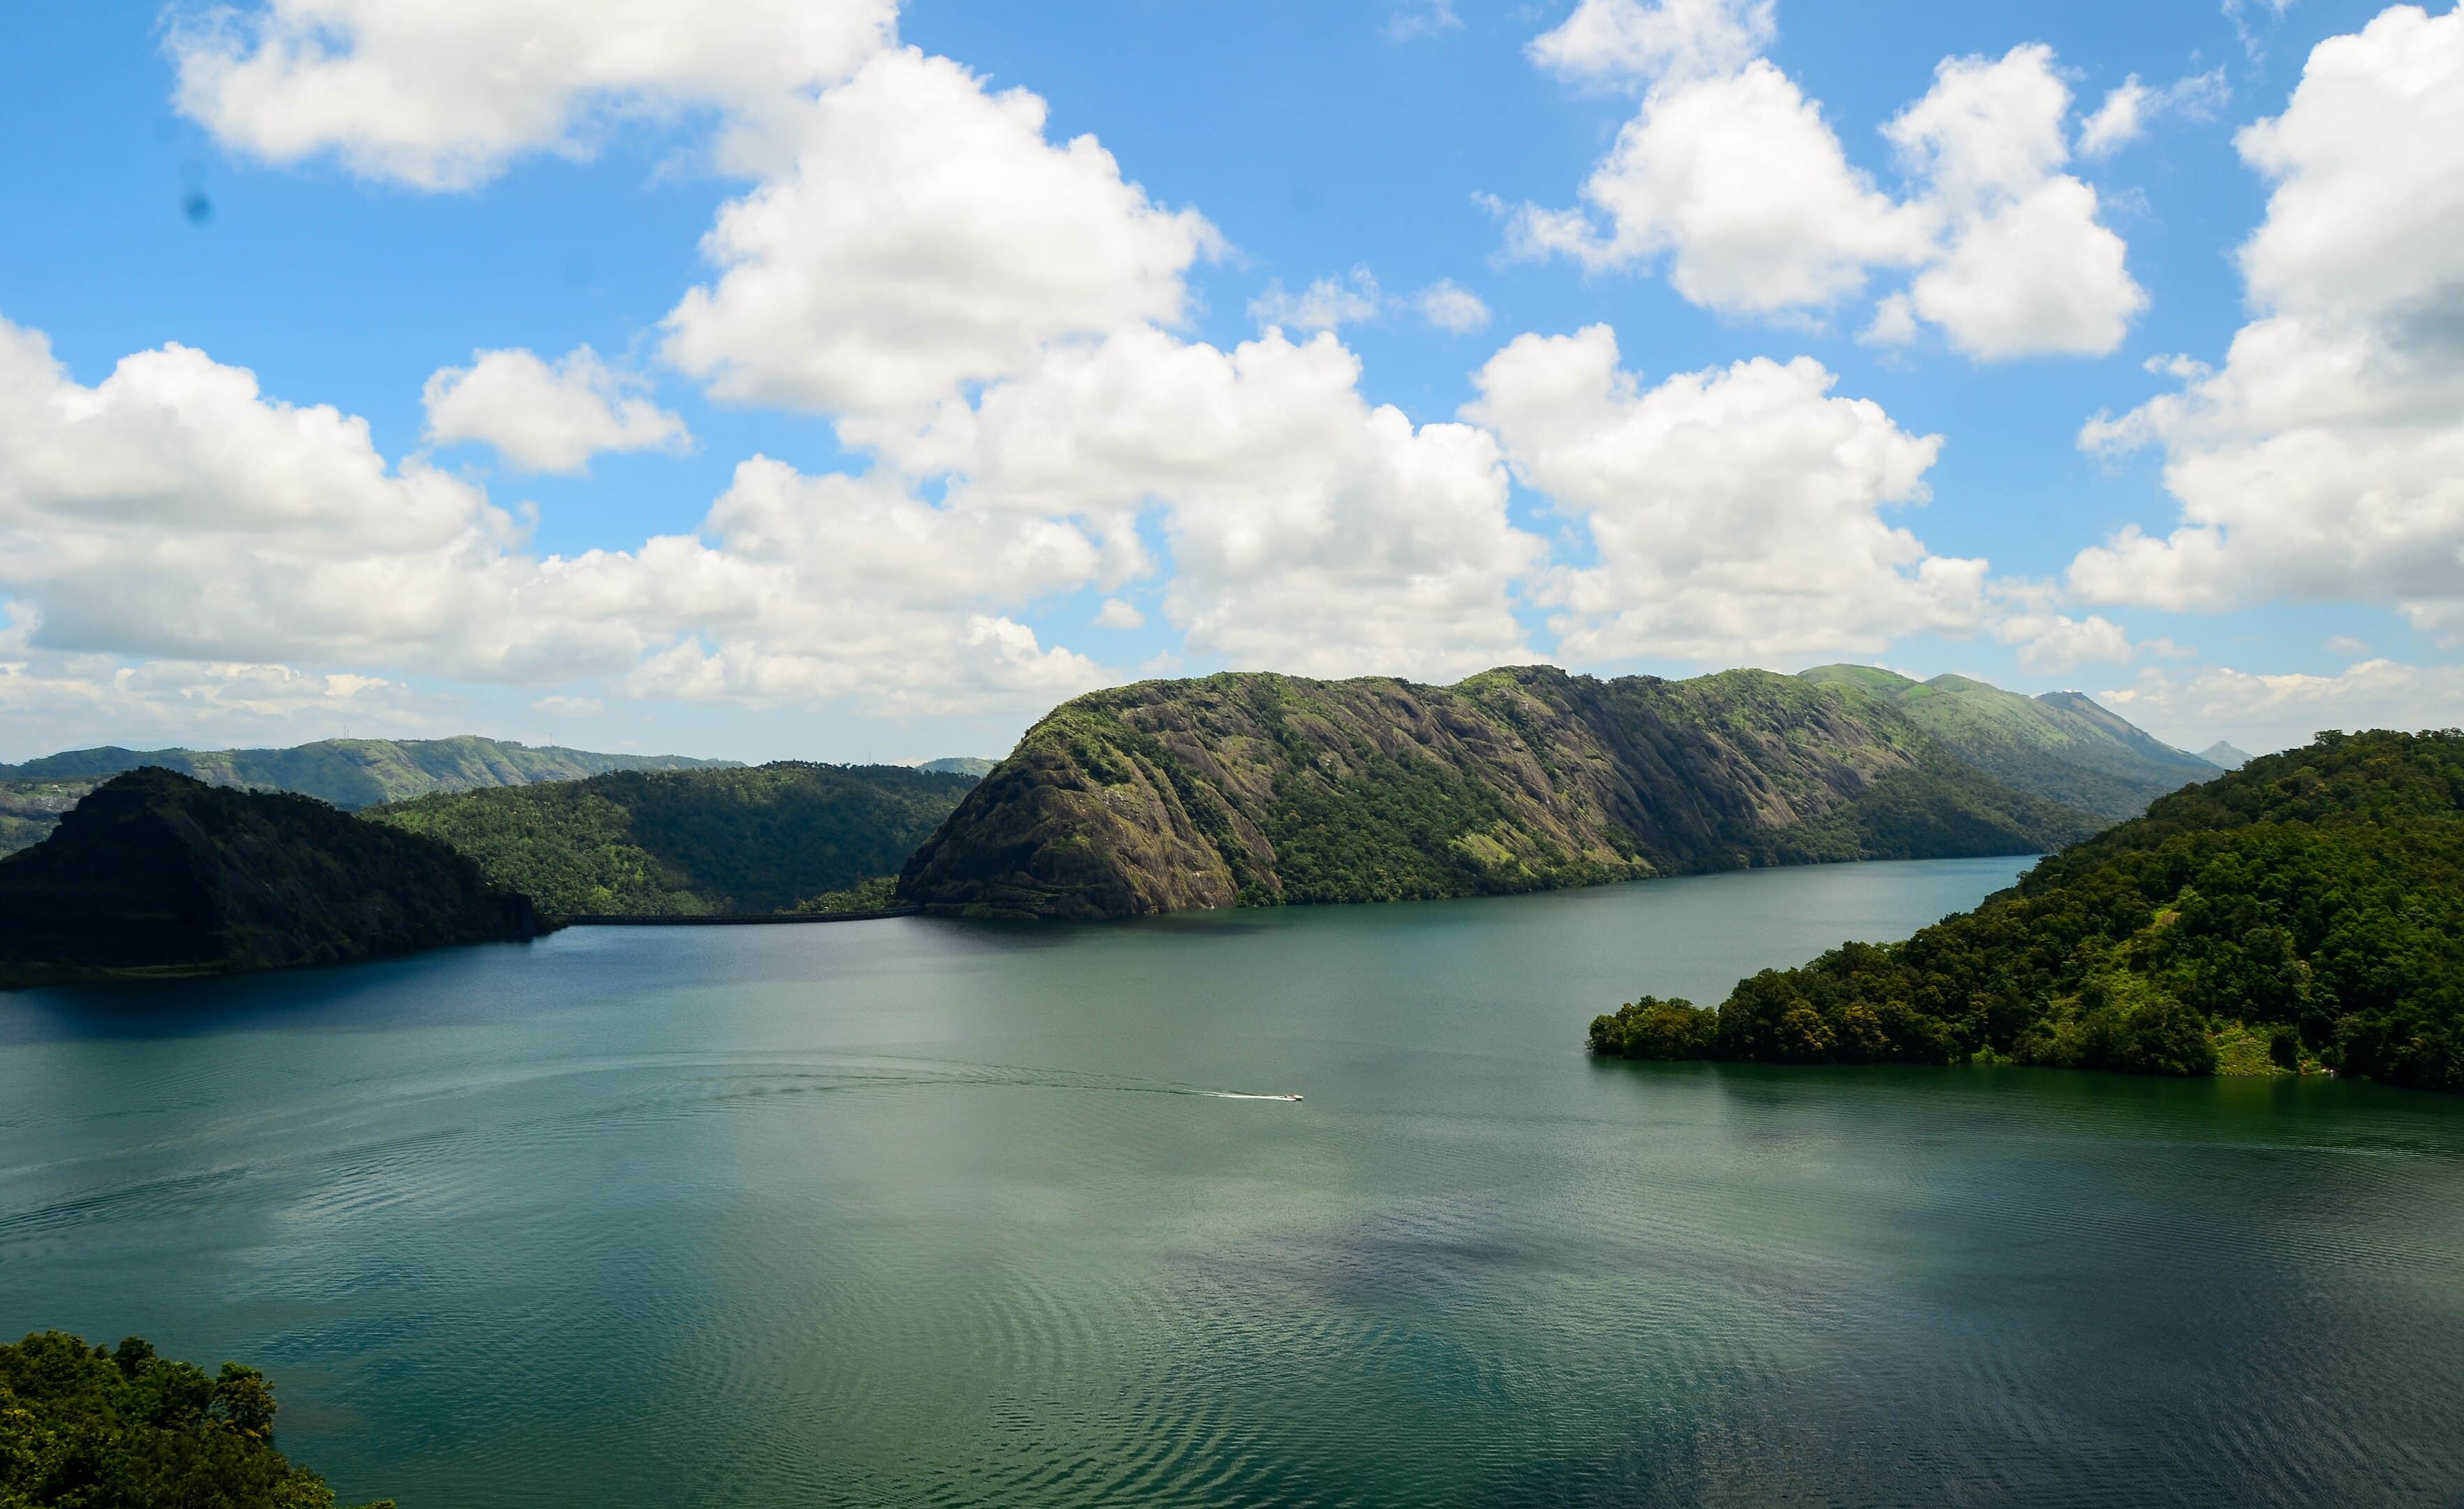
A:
(1324, 305)
(546, 416)
(2130, 107)
(1451, 307)
(1737, 512)
(1633, 42)
(926, 236)
(2261, 712)
(2324, 458)
(1734, 176)
(442, 94)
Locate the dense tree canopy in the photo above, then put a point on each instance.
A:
(775, 838)
(82, 1428)
(2306, 911)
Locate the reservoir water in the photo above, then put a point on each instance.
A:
(927, 1212)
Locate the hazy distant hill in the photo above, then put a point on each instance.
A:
(2061, 747)
(690, 842)
(2225, 756)
(157, 873)
(961, 765)
(1247, 788)
(350, 773)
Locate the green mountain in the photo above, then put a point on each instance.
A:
(2061, 747)
(2304, 912)
(157, 873)
(2223, 756)
(82, 1425)
(1258, 789)
(691, 842)
(350, 773)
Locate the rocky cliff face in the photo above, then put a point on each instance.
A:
(1261, 789)
(157, 873)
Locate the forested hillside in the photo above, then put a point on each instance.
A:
(2304, 912)
(690, 843)
(87, 1428)
(1259, 789)
(156, 874)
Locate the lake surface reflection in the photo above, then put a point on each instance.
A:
(928, 1213)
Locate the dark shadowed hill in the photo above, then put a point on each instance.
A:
(157, 873)
(772, 838)
(2303, 912)
(2062, 747)
(1259, 789)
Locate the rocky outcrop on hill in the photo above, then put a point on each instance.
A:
(1259, 789)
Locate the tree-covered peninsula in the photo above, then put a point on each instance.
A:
(85, 1428)
(155, 873)
(778, 837)
(2303, 912)
(1252, 789)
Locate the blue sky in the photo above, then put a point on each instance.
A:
(184, 563)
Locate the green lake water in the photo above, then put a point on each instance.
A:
(927, 1212)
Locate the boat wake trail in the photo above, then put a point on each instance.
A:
(1233, 1095)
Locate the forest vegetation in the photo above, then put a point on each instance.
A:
(82, 1428)
(156, 874)
(2304, 913)
(1251, 789)
(777, 837)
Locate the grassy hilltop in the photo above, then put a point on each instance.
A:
(2060, 745)
(2303, 912)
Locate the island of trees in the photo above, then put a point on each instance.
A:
(2302, 913)
(86, 1428)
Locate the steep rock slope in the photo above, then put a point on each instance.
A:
(1260, 789)
(2061, 747)
(350, 773)
(690, 842)
(155, 873)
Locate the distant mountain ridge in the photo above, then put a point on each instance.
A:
(350, 773)
(2062, 745)
(157, 873)
(1250, 788)
(2225, 756)
(358, 773)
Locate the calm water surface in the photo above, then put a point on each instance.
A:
(927, 1212)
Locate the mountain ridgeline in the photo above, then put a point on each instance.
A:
(156, 874)
(350, 773)
(2303, 912)
(1249, 788)
(2060, 746)
(693, 843)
